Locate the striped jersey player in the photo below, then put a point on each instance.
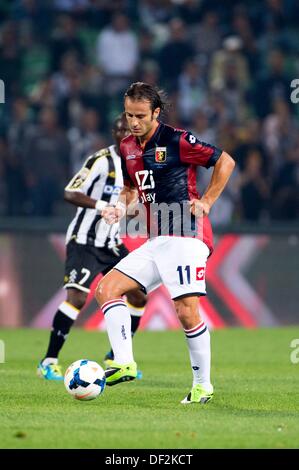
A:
(92, 246)
(100, 178)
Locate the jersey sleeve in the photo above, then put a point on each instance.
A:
(127, 179)
(93, 167)
(195, 152)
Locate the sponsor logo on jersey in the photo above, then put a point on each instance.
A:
(160, 154)
(109, 189)
(200, 274)
(131, 157)
(151, 197)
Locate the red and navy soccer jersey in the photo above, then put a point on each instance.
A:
(164, 172)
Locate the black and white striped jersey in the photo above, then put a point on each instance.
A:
(100, 178)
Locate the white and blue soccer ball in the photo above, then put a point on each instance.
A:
(85, 380)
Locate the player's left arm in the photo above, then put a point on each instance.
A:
(195, 152)
(223, 168)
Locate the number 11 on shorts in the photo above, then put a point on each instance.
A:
(187, 274)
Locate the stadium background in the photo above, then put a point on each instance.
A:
(227, 68)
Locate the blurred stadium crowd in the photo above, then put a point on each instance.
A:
(226, 66)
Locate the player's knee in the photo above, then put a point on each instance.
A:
(187, 312)
(100, 292)
(76, 298)
(105, 291)
(137, 298)
(181, 311)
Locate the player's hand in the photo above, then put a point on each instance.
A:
(109, 214)
(199, 207)
(113, 214)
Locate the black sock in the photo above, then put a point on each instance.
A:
(60, 329)
(135, 320)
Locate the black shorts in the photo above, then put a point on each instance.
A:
(85, 262)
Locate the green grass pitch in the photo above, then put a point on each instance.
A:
(256, 401)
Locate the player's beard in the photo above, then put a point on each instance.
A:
(149, 131)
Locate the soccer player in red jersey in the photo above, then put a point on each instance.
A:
(160, 161)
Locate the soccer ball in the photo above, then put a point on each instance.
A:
(85, 379)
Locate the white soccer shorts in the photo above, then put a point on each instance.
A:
(178, 263)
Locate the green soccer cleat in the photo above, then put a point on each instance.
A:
(109, 360)
(198, 394)
(117, 373)
(50, 372)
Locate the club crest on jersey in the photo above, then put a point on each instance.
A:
(78, 179)
(160, 154)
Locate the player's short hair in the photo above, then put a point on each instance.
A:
(119, 121)
(143, 91)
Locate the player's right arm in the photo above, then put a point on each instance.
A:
(76, 190)
(128, 195)
(79, 199)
